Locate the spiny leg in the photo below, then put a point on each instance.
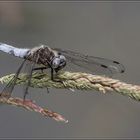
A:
(52, 73)
(53, 79)
(29, 82)
(39, 68)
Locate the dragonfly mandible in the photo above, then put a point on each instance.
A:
(55, 59)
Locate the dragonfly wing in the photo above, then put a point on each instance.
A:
(93, 64)
(114, 66)
(29, 70)
(6, 92)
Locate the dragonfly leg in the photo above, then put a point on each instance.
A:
(56, 80)
(52, 74)
(29, 77)
(40, 68)
(27, 86)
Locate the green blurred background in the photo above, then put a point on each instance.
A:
(105, 29)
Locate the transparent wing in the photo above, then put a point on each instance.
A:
(92, 63)
(29, 70)
(6, 92)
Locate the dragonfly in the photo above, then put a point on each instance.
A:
(56, 59)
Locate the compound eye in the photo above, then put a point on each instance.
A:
(56, 63)
(62, 58)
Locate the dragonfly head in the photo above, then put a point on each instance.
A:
(58, 62)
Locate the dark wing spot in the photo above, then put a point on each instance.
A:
(104, 66)
(116, 62)
(59, 53)
(122, 71)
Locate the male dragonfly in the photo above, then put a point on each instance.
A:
(55, 59)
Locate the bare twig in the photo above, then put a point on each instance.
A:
(31, 106)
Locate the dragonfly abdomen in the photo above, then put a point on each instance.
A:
(18, 52)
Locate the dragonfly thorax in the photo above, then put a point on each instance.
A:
(48, 57)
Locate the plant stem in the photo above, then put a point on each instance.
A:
(80, 81)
